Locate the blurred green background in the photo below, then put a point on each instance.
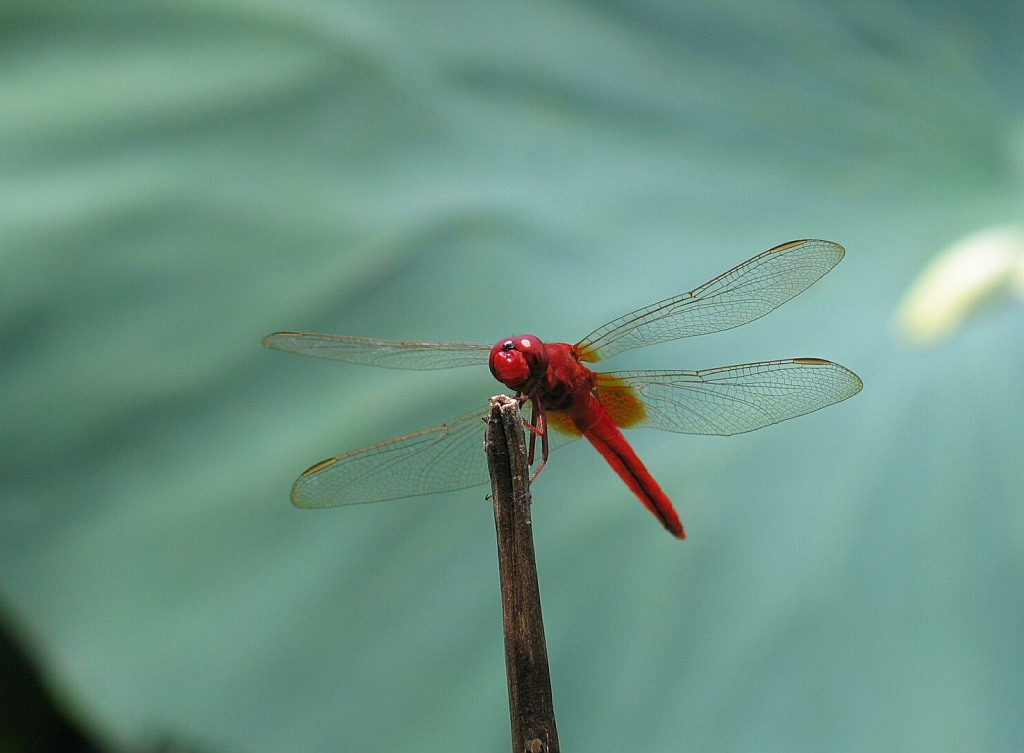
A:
(179, 179)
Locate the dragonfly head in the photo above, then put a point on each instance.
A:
(518, 361)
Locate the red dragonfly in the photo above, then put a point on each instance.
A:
(569, 400)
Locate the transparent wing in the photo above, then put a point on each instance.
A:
(742, 294)
(442, 458)
(729, 399)
(391, 354)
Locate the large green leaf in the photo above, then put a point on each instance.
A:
(180, 179)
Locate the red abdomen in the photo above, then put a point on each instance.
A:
(568, 396)
(609, 441)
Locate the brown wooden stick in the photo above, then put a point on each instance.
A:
(530, 705)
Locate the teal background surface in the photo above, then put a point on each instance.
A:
(179, 179)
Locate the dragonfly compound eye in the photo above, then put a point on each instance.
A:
(515, 360)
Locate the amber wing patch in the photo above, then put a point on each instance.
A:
(621, 401)
(562, 423)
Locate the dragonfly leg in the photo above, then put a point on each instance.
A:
(538, 428)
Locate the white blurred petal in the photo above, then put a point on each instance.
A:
(960, 279)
